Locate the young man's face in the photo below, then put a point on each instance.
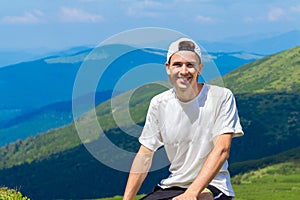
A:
(184, 69)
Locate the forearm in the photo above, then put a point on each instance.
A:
(138, 173)
(134, 183)
(211, 166)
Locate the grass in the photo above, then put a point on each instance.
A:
(275, 182)
(276, 73)
(10, 194)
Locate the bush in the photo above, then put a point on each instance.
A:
(9, 194)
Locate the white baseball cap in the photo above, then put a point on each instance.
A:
(183, 44)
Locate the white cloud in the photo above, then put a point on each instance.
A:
(275, 14)
(254, 19)
(145, 8)
(296, 8)
(27, 18)
(88, 1)
(79, 15)
(205, 19)
(249, 19)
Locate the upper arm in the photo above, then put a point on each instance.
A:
(227, 119)
(150, 137)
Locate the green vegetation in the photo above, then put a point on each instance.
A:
(251, 165)
(276, 73)
(39, 147)
(280, 181)
(10, 194)
(59, 140)
(270, 122)
(270, 118)
(39, 121)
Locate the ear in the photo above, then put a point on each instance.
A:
(200, 68)
(168, 68)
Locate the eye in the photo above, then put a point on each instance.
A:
(190, 65)
(177, 64)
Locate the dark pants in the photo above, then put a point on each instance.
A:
(168, 193)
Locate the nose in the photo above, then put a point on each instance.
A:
(184, 69)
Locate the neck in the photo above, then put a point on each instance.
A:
(188, 94)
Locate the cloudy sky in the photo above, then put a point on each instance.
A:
(57, 24)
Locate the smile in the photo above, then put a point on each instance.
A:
(184, 79)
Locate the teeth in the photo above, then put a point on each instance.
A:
(184, 78)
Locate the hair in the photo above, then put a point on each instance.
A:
(186, 46)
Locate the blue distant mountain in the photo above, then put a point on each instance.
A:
(265, 44)
(43, 119)
(11, 57)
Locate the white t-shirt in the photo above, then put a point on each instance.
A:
(187, 131)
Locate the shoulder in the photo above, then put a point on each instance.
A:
(217, 91)
(163, 97)
(160, 101)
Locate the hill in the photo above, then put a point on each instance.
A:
(269, 121)
(43, 119)
(228, 61)
(239, 168)
(274, 182)
(59, 140)
(267, 93)
(59, 154)
(265, 44)
(275, 73)
(259, 43)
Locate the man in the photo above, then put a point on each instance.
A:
(195, 122)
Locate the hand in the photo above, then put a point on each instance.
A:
(188, 196)
(185, 196)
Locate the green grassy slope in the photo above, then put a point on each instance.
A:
(59, 140)
(276, 73)
(274, 182)
(267, 93)
(251, 165)
(274, 177)
(270, 122)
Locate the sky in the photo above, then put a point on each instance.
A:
(60, 24)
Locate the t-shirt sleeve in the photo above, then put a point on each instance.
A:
(151, 135)
(227, 120)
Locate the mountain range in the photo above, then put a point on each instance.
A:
(36, 91)
(57, 164)
(43, 119)
(266, 44)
